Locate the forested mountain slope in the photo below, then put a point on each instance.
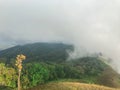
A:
(53, 52)
(48, 62)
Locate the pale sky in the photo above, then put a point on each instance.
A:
(91, 24)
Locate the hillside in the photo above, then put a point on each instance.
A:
(53, 52)
(48, 62)
(71, 86)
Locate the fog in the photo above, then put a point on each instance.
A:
(90, 25)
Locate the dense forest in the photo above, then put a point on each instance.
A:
(53, 52)
(48, 62)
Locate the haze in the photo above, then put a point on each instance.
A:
(90, 25)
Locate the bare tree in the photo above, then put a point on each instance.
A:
(19, 60)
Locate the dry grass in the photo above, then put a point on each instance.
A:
(71, 86)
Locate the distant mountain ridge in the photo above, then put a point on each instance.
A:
(38, 51)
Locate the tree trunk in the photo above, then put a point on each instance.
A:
(19, 79)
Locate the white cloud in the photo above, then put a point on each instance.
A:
(91, 24)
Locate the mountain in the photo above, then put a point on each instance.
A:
(48, 62)
(53, 52)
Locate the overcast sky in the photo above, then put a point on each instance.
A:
(90, 24)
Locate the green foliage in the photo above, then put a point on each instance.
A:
(59, 69)
(52, 72)
(5, 88)
(85, 69)
(89, 65)
(7, 76)
(34, 74)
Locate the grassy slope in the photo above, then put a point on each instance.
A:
(71, 86)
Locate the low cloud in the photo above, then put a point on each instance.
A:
(90, 25)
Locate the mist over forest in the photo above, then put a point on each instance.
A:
(62, 39)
